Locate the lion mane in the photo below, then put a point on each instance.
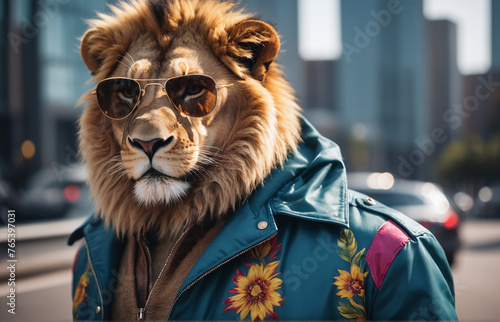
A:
(265, 130)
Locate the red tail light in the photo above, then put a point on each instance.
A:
(71, 193)
(451, 220)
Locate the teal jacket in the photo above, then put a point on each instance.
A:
(302, 246)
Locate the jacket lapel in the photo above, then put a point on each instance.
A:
(242, 231)
(104, 251)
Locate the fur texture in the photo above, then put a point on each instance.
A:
(222, 157)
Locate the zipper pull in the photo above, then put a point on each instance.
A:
(140, 314)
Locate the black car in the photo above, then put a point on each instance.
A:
(51, 193)
(424, 202)
(487, 204)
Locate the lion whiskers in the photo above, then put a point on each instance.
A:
(130, 60)
(164, 190)
(123, 64)
(115, 166)
(206, 157)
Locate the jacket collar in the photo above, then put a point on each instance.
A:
(312, 183)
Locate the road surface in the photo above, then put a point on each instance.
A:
(476, 273)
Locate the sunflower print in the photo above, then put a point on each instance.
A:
(80, 294)
(351, 285)
(256, 293)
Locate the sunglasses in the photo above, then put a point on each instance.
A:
(194, 95)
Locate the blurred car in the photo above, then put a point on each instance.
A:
(424, 202)
(8, 201)
(487, 204)
(53, 192)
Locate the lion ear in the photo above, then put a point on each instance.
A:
(90, 49)
(254, 44)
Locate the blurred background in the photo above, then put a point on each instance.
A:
(409, 89)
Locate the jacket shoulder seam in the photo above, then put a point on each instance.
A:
(408, 224)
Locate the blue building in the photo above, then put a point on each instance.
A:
(382, 81)
(283, 15)
(43, 80)
(495, 35)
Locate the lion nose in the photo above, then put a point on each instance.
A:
(150, 147)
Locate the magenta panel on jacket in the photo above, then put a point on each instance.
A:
(385, 246)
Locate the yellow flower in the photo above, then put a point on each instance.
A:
(350, 284)
(80, 294)
(269, 248)
(260, 251)
(256, 293)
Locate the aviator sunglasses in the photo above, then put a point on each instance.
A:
(194, 95)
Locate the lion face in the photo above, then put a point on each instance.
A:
(162, 168)
(162, 149)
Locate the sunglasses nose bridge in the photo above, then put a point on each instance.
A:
(151, 84)
(143, 88)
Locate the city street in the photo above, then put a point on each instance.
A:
(47, 296)
(477, 283)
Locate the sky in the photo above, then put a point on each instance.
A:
(319, 29)
(320, 36)
(473, 21)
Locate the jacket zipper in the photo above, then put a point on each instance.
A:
(95, 276)
(211, 270)
(141, 314)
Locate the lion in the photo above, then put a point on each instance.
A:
(211, 163)
(215, 198)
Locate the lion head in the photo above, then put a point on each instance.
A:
(160, 166)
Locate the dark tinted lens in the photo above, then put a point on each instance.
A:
(117, 97)
(194, 95)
